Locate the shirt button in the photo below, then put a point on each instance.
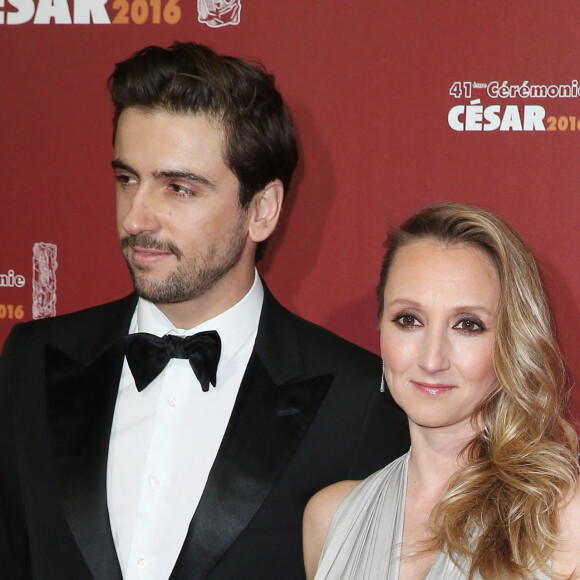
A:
(172, 401)
(141, 563)
(154, 481)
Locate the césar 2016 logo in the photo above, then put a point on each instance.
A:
(89, 11)
(476, 117)
(510, 117)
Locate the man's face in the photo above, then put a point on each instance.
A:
(182, 230)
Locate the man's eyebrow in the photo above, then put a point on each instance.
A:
(183, 174)
(168, 174)
(118, 164)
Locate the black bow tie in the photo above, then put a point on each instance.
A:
(148, 355)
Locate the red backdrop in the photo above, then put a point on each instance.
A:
(373, 87)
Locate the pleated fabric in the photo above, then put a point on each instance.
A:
(364, 540)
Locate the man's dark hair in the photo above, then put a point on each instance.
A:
(260, 144)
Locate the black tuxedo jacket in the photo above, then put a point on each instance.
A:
(308, 413)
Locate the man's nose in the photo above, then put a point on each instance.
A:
(139, 213)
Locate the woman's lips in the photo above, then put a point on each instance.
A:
(433, 389)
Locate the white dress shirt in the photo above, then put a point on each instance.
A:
(165, 439)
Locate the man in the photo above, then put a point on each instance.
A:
(110, 469)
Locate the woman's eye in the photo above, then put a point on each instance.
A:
(407, 321)
(468, 325)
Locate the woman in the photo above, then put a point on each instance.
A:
(489, 487)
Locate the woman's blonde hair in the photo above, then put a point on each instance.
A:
(500, 512)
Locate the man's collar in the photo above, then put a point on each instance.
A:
(234, 326)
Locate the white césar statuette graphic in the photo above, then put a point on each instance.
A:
(44, 267)
(217, 13)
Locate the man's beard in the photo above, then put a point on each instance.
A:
(194, 276)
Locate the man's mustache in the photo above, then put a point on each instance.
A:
(150, 243)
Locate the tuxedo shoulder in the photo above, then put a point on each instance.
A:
(330, 348)
(315, 333)
(80, 317)
(72, 326)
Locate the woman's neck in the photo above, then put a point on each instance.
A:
(436, 454)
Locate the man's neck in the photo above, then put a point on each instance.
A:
(226, 293)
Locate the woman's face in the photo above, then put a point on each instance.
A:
(437, 331)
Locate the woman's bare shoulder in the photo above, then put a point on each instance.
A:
(317, 519)
(566, 556)
(322, 506)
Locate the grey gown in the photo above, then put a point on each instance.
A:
(364, 540)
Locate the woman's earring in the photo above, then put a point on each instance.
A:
(383, 388)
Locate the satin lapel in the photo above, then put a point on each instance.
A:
(80, 404)
(266, 427)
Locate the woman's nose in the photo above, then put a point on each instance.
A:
(434, 354)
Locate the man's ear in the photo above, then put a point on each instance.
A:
(265, 209)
